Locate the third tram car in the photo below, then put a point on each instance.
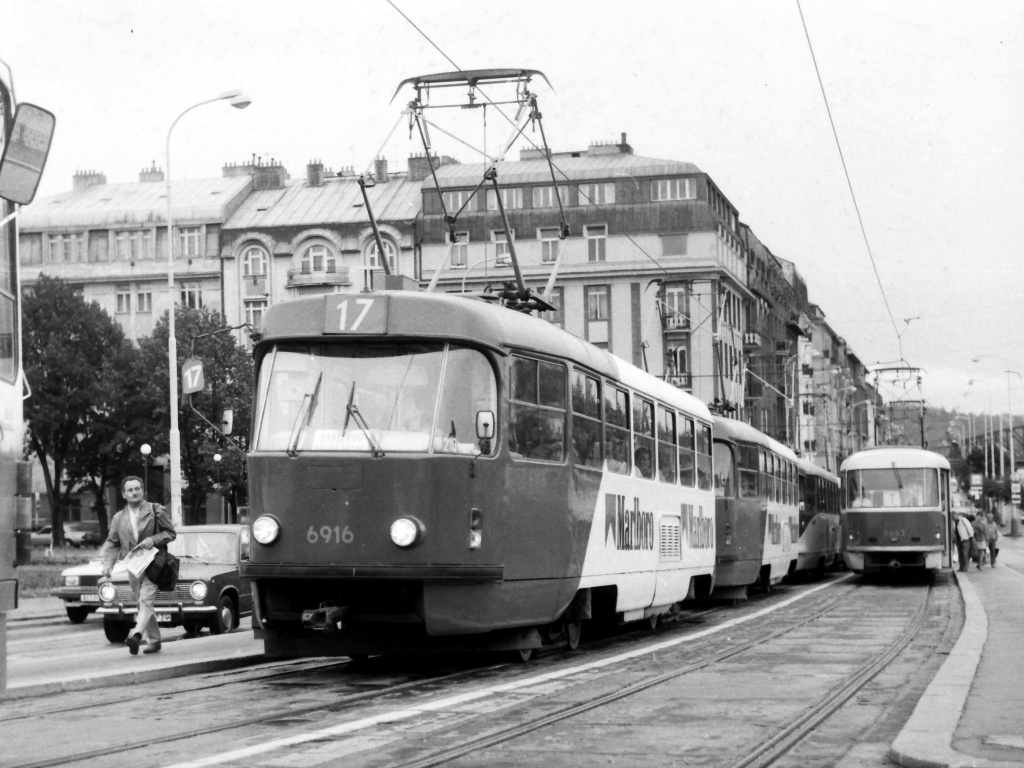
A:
(895, 510)
(757, 518)
(818, 546)
(434, 472)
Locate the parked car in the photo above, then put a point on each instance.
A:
(209, 592)
(44, 536)
(78, 588)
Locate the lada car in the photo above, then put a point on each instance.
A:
(78, 588)
(209, 593)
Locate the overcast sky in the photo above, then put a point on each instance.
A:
(927, 97)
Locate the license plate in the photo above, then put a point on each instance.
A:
(90, 598)
(163, 618)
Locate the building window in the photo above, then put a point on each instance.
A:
(190, 242)
(597, 236)
(549, 245)
(254, 312)
(191, 296)
(556, 300)
(544, 197)
(454, 199)
(511, 198)
(597, 194)
(124, 301)
(460, 249)
(502, 255)
(676, 309)
(254, 261)
(67, 248)
(372, 256)
(133, 245)
(673, 189)
(597, 302)
(144, 301)
(317, 258)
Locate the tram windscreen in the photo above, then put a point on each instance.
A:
(892, 487)
(420, 398)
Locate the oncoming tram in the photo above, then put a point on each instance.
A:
(433, 472)
(756, 512)
(818, 546)
(895, 511)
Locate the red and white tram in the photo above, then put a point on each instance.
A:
(433, 472)
(895, 510)
(757, 517)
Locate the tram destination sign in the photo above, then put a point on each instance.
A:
(358, 313)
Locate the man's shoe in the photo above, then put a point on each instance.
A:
(152, 647)
(133, 642)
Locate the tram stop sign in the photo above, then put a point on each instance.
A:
(192, 379)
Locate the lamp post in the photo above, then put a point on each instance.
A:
(990, 454)
(239, 101)
(145, 450)
(216, 460)
(1009, 407)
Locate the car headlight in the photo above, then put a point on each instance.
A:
(406, 531)
(70, 581)
(107, 592)
(198, 590)
(265, 529)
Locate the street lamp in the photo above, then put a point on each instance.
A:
(145, 450)
(990, 448)
(216, 460)
(1009, 405)
(238, 100)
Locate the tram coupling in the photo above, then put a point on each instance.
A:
(894, 564)
(326, 618)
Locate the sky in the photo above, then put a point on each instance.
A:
(927, 99)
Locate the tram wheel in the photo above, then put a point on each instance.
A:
(573, 632)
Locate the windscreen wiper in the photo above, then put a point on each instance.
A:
(352, 412)
(304, 416)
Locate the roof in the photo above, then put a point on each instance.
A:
(731, 429)
(808, 467)
(584, 167)
(339, 201)
(141, 202)
(902, 457)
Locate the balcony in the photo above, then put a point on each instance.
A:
(751, 341)
(330, 276)
(675, 322)
(681, 380)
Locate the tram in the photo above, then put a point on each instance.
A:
(818, 496)
(435, 472)
(25, 134)
(895, 510)
(756, 511)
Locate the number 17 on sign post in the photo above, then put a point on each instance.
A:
(192, 379)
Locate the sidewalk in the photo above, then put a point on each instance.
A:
(971, 713)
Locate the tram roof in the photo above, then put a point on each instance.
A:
(808, 467)
(738, 430)
(887, 456)
(418, 314)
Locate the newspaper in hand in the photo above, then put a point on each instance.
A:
(138, 559)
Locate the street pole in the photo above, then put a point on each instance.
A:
(239, 101)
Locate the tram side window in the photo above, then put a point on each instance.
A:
(725, 470)
(704, 478)
(536, 409)
(764, 470)
(668, 456)
(747, 472)
(616, 425)
(809, 486)
(687, 457)
(586, 420)
(643, 437)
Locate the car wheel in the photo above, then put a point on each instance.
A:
(226, 617)
(116, 631)
(77, 613)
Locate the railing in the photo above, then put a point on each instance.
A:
(681, 380)
(751, 339)
(338, 276)
(674, 322)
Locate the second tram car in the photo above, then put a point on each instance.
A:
(818, 546)
(433, 472)
(895, 510)
(756, 513)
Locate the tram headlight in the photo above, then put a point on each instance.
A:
(265, 529)
(406, 532)
(197, 590)
(107, 592)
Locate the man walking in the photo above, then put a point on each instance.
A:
(964, 536)
(145, 525)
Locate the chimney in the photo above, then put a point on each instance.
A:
(419, 165)
(380, 170)
(151, 174)
(264, 176)
(610, 147)
(315, 173)
(86, 179)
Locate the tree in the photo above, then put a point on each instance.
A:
(228, 371)
(72, 354)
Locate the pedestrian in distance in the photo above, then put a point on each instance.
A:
(992, 536)
(145, 525)
(964, 532)
(981, 539)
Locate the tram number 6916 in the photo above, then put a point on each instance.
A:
(327, 534)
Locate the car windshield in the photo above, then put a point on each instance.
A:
(219, 547)
(420, 397)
